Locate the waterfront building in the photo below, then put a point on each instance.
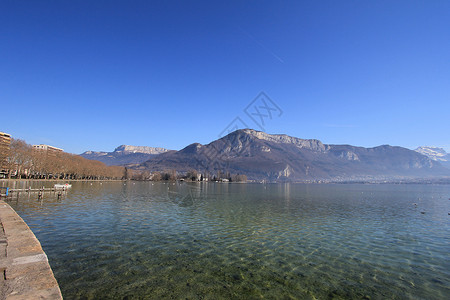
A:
(5, 142)
(47, 148)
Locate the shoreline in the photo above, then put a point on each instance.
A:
(26, 271)
(59, 180)
(424, 181)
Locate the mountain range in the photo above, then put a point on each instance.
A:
(124, 155)
(279, 157)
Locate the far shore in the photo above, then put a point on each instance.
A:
(50, 180)
(443, 180)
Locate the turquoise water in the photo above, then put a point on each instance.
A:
(245, 241)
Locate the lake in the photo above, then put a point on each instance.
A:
(144, 240)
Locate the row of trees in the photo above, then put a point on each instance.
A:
(23, 161)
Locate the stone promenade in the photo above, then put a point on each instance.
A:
(24, 269)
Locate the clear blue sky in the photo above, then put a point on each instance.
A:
(91, 75)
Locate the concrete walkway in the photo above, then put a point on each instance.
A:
(24, 269)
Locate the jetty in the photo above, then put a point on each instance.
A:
(8, 192)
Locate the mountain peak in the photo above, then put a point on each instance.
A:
(139, 149)
(192, 148)
(311, 144)
(125, 154)
(435, 153)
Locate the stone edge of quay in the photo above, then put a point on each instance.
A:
(24, 267)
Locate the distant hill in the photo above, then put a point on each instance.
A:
(124, 155)
(278, 157)
(436, 154)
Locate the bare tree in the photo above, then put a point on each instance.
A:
(19, 159)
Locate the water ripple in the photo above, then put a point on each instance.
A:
(245, 241)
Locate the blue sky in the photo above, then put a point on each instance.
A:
(92, 75)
